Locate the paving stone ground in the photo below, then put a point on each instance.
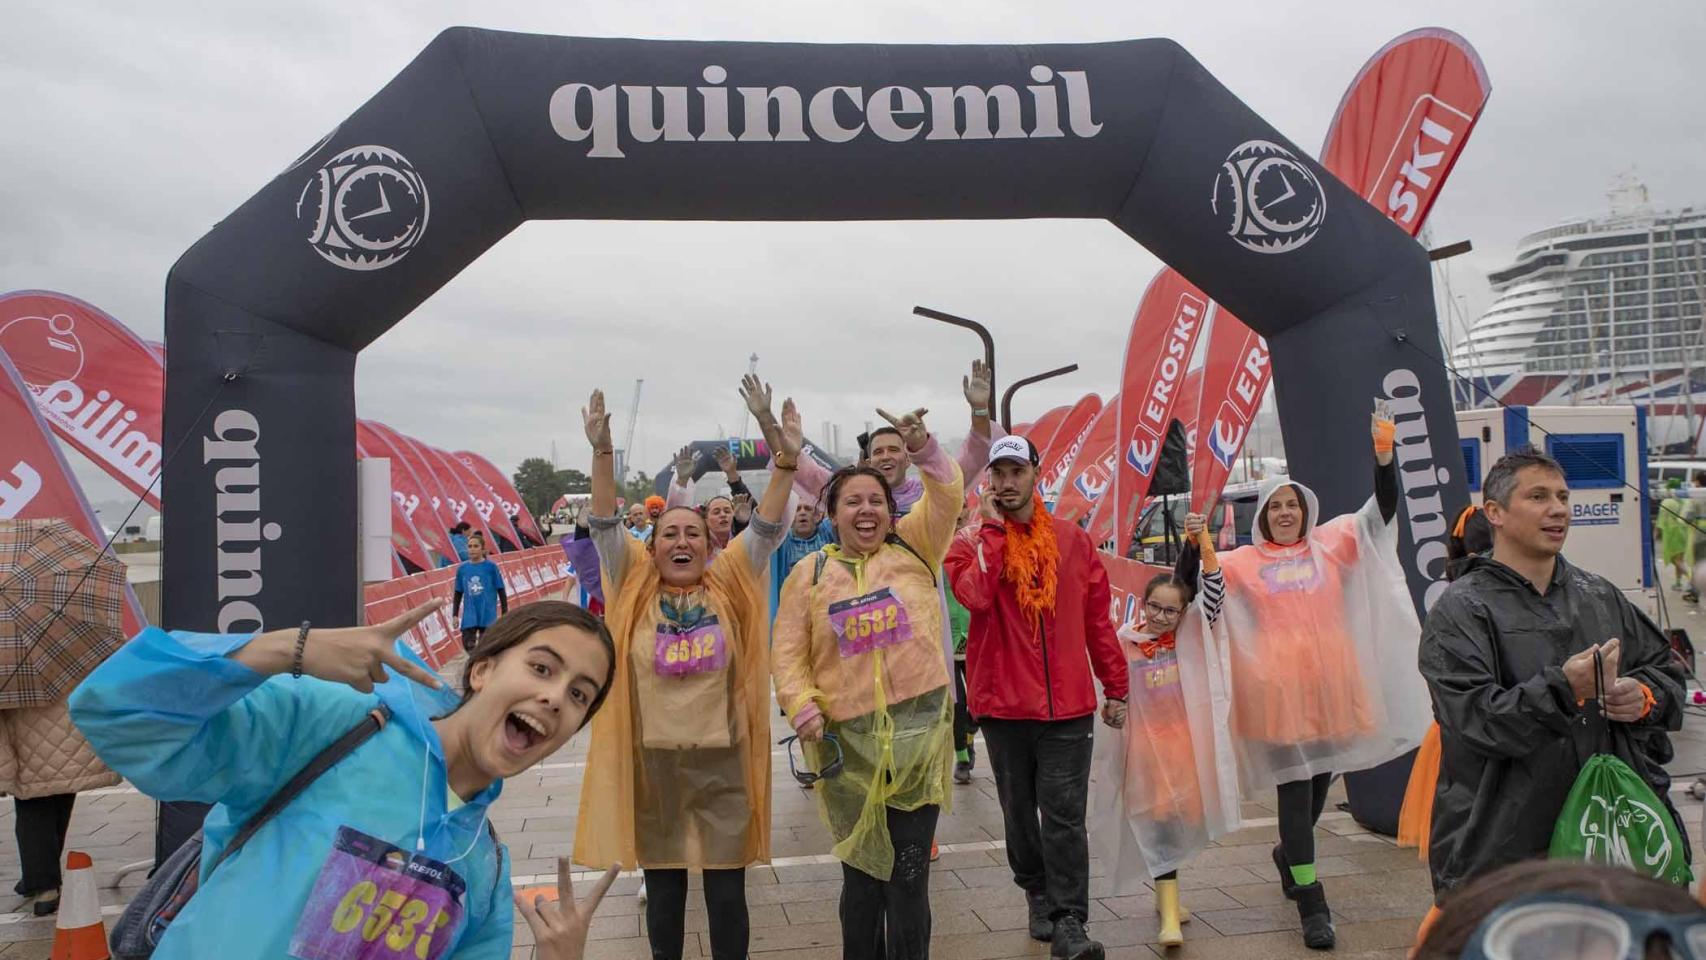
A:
(1378, 892)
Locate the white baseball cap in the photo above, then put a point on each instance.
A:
(1013, 447)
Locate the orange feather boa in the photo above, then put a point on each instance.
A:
(1033, 562)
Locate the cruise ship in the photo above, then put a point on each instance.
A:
(1599, 310)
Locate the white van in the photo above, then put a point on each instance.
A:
(1661, 472)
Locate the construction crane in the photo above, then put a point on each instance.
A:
(751, 369)
(628, 445)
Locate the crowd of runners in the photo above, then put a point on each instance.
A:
(892, 620)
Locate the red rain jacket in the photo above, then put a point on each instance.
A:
(1016, 672)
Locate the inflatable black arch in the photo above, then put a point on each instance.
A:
(265, 314)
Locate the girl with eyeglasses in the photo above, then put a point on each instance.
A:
(1158, 814)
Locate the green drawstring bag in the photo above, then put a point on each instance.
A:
(1613, 817)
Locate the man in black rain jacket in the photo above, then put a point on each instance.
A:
(1508, 655)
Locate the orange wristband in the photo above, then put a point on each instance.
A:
(1385, 436)
(1651, 701)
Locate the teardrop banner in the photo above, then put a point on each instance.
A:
(99, 386)
(1068, 440)
(1163, 337)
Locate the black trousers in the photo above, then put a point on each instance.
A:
(41, 827)
(964, 725)
(1042, 777)
(470, 637)
(891, 920)
(725, 904)
(1300, 805)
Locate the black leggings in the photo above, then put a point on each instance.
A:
(725, 903)
(890, 919)
(1300, 806)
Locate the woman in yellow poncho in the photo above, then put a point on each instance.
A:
(859, 667)
(678, 772)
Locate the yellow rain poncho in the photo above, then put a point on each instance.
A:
(890, 706)
(678, 772)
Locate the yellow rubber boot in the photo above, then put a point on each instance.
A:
(1167, 904)
(1185, 912)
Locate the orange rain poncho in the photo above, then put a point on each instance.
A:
(890, 707)
(678, 772)
(1319, 638)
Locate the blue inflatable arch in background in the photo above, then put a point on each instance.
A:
(485, 130)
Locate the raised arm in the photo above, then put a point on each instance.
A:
(1384, 431)
(608, 536)
(979, 393)
(192, 716)
(767, 529)
(930, 525)
(785, 439)
(731, 472)
(680, 493)
(1210, 586)
(603, 456)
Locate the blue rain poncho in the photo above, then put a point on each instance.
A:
(182, 721)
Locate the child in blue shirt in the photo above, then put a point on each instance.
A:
(482, 584)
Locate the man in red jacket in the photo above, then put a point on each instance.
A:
(1038, 597)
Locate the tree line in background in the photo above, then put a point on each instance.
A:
(540, 483)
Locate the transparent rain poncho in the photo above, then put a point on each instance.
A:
(1165, 785)
(1319, 639)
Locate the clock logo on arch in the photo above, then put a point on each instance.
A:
(367, 208)
(1268, 198)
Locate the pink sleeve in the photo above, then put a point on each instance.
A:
(974, 453)
(934, 462)
(678, 496)
(810, 477)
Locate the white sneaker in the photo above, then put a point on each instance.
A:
(640, 894)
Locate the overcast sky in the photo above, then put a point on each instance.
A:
(132, 128)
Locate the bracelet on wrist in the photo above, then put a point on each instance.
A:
(296, 657)
(980, 411)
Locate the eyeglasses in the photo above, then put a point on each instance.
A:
(1549, 926)
(805, 777)
(1157, 610)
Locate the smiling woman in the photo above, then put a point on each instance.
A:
(678, 776)
(229, 720)
(859, 670)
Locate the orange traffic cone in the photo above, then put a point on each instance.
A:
(79, 933)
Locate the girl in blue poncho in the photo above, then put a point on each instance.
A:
(388, 853)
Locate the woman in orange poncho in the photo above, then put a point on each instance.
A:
(1320, 639)
(678, 772)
